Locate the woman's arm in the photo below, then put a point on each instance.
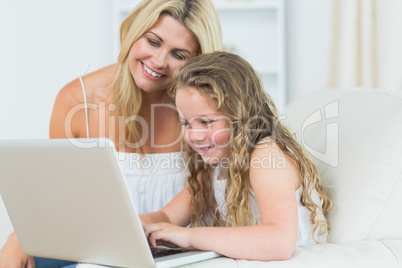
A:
(275, 238)
(11, 254)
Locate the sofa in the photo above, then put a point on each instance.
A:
(355, 138)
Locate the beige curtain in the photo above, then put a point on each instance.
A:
(367, 44)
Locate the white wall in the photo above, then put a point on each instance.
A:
(308, 37)
(45, 44)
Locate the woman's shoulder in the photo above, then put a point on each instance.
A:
(96, 86)
(70, 101)
(101, 78)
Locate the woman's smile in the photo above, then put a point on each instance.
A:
(152, 74)
(155, 56)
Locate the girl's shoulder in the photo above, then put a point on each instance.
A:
(266, 153)
(265, 145)
(268, 159)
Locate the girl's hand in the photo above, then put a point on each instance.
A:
(167, 234)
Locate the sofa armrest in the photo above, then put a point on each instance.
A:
(354, 136)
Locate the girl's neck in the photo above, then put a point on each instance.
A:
(219, 171)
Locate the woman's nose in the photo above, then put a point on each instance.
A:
(159, 60)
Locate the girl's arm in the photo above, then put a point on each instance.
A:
(274, 179)
(176, 212)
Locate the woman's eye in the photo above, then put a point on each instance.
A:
(178, 56)
(153, 42)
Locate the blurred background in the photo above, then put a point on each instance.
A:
(298, 46)
(46, 43)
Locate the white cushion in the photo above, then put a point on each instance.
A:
(357, 144)
(371, 253)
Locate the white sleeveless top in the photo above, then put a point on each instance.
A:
(305, 227)
(152, 179)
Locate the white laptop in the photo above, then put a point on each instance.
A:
(67, 200)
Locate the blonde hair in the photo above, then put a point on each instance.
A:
(238, 91)
(199, 16)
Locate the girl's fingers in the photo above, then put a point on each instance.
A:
(153, 233)
(154, 238)
(150, 228)
(162, 234)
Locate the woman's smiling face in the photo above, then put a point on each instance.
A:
(155, 56)
(206, 129)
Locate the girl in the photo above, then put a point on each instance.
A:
(117, 102)
(256, 194)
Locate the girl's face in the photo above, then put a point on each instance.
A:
(157, 53)
(206, 129)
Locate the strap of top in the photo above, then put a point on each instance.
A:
(268, 138)
(85, 105)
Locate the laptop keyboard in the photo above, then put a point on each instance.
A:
(162, 252)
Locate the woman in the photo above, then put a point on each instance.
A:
(126, 102)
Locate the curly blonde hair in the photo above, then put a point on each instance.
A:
(238, 91)
(199, 16)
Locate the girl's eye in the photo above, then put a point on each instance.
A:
(153, 42)
(207, 122)
(185, 124)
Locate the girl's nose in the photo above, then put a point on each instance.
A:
(195, 135)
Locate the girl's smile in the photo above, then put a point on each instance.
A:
(206, 129)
